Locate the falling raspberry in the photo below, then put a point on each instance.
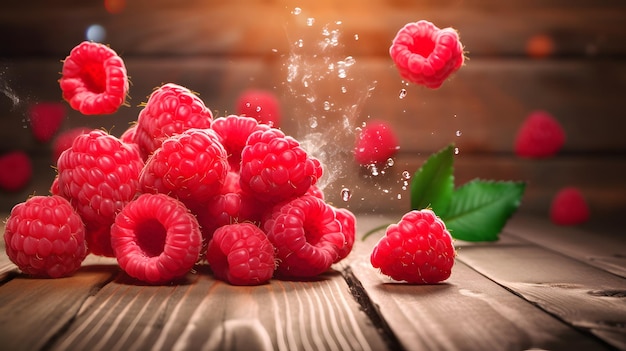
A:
(569, 207)
(45, 119)
(540, 136)
(425, 54)
(16, 170)
(261, 105)
(375, 144)
(94, 79)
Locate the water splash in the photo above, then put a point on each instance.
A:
(346, 194)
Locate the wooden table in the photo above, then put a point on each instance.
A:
(538, 287)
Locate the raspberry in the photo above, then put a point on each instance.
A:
(232, 205)
(241, 254)
(129, 134)
(275, 168)
(45, 119)
(191, 166)
(99, 175)
(45, 237)
(64, 141)
(261, 105)
(234, 132)
(569, 207)
(307, 236)
(418, 249)
(94, 79)
(171, 109)
(540, 136)
(375, 144)
(348, 228)
(16, 170)
(425, 54)
(156, 239)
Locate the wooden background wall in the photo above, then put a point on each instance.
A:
(219, 48)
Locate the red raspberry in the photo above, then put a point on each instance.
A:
(569, 207)
(156, 239)
(307, 235)
(170, 110)
(45, 119)
(234, 132)
(45, 237)
(241, 254)
(425, 54)
(261, 105)
(16, 170)
(64, 141)
(418, 249)
(539, 136)
(375, 144)
(99, 175)
(232, 205)
(94, 79)
(348, 228)
(275, 168)
(191, 167)
(129, 134)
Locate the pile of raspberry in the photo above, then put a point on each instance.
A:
(178, 187)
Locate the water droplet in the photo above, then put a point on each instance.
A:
(296, 11)
(274, 50)
(390, 162)
(346, 194)
(373, 169)
(356, 37)
(456, 150)
(258, 109)
(326, 106)
(300, 43)
(341, 73)
(338, 22)
(399, 196)
(349, 61)
(313, 122)
(458, 133)
(403, 93)
(406, 175)
(310, 21)
(344, 90)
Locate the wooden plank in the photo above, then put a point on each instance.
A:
(32, 311)
(581, 295)
(606, 251)
(485, 102)
(208, 314)
(487, 27)
(467, 312)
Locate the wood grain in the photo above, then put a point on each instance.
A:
(487, 27)
(203, 313)
(588, 298)
(467, 312)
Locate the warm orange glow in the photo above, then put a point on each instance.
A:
(540, 46)
(114, 6)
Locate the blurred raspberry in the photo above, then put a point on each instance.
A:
(45, 119)
(540, 136)
(16, 170)
(569, 207)
(261, 105)
(375, 144)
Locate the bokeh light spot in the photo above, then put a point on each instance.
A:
(96, 33)
(114, 6)
(540, 46)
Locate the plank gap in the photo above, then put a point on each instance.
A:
(370, 309)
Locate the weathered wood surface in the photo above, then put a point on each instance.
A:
(244, 27)
(516, 294)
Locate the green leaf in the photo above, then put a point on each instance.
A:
(433, 183)
(479, 209)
